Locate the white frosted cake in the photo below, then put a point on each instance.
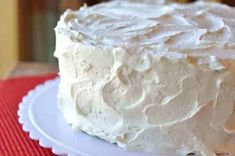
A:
(150, 76)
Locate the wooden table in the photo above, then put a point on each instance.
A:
(31, 69)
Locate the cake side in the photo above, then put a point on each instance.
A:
(144, 96)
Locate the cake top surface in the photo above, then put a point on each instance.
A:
(194, 29)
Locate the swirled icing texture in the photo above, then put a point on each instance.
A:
(148, 76)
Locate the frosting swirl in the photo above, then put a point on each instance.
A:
(150, 76)
(193, 29)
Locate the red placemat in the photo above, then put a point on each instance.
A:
(13, 140)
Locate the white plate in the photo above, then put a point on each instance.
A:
(39, 116)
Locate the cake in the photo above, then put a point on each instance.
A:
(150, 75)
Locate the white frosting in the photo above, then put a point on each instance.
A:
(150, 76)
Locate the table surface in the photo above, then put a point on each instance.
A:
(31, 69)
